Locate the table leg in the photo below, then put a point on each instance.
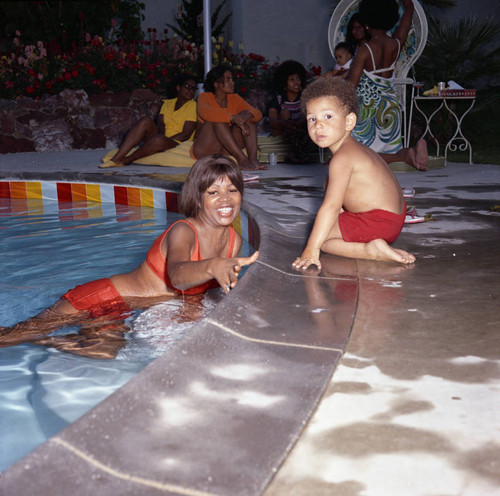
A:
(458, 134)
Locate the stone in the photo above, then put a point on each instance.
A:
(52, 136)
(9, 144)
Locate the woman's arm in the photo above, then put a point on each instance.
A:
(405, 23)
(187, 131)
(185, 274)
(160, 124)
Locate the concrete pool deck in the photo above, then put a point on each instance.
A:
(248, 405)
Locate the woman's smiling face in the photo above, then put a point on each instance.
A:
(221, 202)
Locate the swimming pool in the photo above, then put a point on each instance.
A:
(49, 247)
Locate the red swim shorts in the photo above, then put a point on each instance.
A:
(99, 298)
(367, 226)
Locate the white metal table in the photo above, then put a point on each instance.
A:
(444, 103)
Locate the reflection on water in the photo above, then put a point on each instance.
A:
(47, 248)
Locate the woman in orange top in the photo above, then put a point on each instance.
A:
(226, 122)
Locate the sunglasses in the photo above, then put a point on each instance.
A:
(190, 87)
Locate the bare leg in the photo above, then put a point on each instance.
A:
(417, 156)
(252, 148)
(96, 341)
(378, 249)
(142, 130)
(218, 137)
(156, 144)
(40, 325)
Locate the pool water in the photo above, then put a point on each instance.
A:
(48, 248)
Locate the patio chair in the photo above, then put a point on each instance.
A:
(411, 51)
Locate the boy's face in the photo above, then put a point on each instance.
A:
(342, 56)
(328, 123)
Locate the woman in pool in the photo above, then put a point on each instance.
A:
(190, 257)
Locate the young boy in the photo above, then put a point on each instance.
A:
(363, 210)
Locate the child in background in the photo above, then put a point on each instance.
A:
(363, 210)
(344, 53)
(189, 258)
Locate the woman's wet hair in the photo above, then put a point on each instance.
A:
(216, 75)
(341, 89)
(379, 14)
(287, 68)
(203, 174)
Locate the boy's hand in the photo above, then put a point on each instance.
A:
(307, 259)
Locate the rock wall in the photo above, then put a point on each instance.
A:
(72, 120)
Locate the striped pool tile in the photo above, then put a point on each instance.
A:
(121, 196)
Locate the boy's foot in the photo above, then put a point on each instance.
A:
(378, 249)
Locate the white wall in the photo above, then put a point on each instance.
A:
(284, 29)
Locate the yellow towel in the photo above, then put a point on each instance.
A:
(176, 157)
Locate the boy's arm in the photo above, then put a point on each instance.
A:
(339, 175)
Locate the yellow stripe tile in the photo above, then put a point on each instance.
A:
(94, 193)
(34, 190)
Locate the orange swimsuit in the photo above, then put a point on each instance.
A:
(158, 262)
(99, 298)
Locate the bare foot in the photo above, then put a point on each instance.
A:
(417, 156)
(422, 156)
(378, 249)
(109, 164)
(248, 164)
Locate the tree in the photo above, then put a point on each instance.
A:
(189, 21)
(467, 51)
(67, 22)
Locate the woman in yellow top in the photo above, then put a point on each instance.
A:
(176, 123)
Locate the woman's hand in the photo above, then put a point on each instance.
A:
(242, 118)
(226, 270)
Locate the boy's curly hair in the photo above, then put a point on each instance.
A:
(336, 87)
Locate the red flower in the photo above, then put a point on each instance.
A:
(243, 89)
(29, 89)
(316, 70)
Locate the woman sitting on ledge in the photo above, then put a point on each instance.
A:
(176, 123)
(226, 122)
